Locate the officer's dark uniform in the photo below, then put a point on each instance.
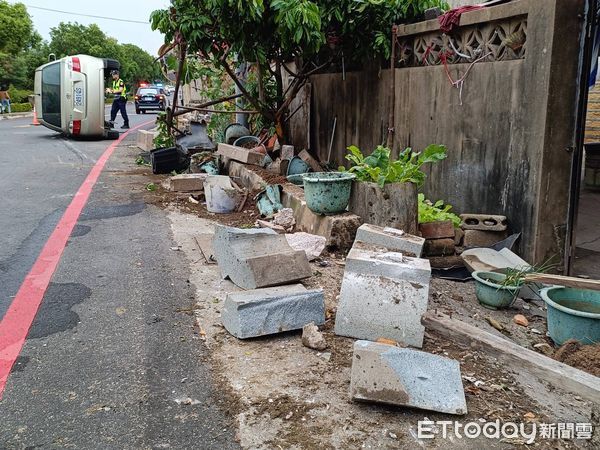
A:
(119, 102)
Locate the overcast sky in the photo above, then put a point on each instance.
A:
(126, 33)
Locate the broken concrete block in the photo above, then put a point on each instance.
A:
(285, 218)
(145, 139)
(405, 377)
(187, 182)
(383, 295)
(254, 258)
(439, 247)
(312, 244)
(240, 154)
(437, 230)
(490, 260)
(478, 238)
(272, 310)
(339, 229)
(483, 222)
(391, 238)
(287, 152)
(312, 162)
(313, 338)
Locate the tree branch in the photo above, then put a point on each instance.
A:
(244, 91)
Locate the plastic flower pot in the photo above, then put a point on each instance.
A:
(327, 193)
(572, 314)
(491, 293)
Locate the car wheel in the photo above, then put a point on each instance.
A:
(112, 135)
(143, 111)
(137, 111)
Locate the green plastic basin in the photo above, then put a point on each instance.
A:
(491, 293)
(572, 314)
(327, 192)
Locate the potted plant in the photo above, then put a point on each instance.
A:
(496, 290)
(436, 220)
(385, 190)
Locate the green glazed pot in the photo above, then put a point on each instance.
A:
(327, 192)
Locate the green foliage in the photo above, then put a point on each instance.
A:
(379, 168)
(271, 33)
(74, 38)
(137, 65)
(436, 212)
(20, 107)
(164, 139)
(16, 31)
(19, 95)
(515, 277)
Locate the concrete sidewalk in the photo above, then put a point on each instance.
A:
(16, 115)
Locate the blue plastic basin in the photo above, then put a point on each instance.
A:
(573, 314)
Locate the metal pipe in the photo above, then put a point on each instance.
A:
(391, 118)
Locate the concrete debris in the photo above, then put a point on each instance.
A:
(222, 196)
(186, 182)
(312, 244)
(391, 238)
(312, 162)
(187, 401)
(405, 377)
(490, 260)
(272, 310)
(266, 224)
(339, 229)
(255, 258)
(287, 151)
(383, 294)
(145, 139)
(483, 222)
(240, 154)
(285, 219)
(478, 238)
(313, 338)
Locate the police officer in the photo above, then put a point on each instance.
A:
(120, 101)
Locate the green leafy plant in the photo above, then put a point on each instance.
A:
(140, 161)
(379, 168)
(163, 139)
(285, 37)
(515, 277)
(436, 212)
(151, 187)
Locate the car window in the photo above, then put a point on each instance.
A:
(147, 91)
(51, 94)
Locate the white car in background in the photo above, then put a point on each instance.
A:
(69, 96)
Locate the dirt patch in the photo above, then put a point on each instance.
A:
(284, 395)
(269, 177)
(584, 357)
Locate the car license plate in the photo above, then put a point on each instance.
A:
(148, 98)
(78, 96)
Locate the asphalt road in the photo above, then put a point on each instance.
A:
(111, 352)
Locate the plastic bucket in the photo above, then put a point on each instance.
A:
(573, 314)
(221, 196)
(327, 192)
